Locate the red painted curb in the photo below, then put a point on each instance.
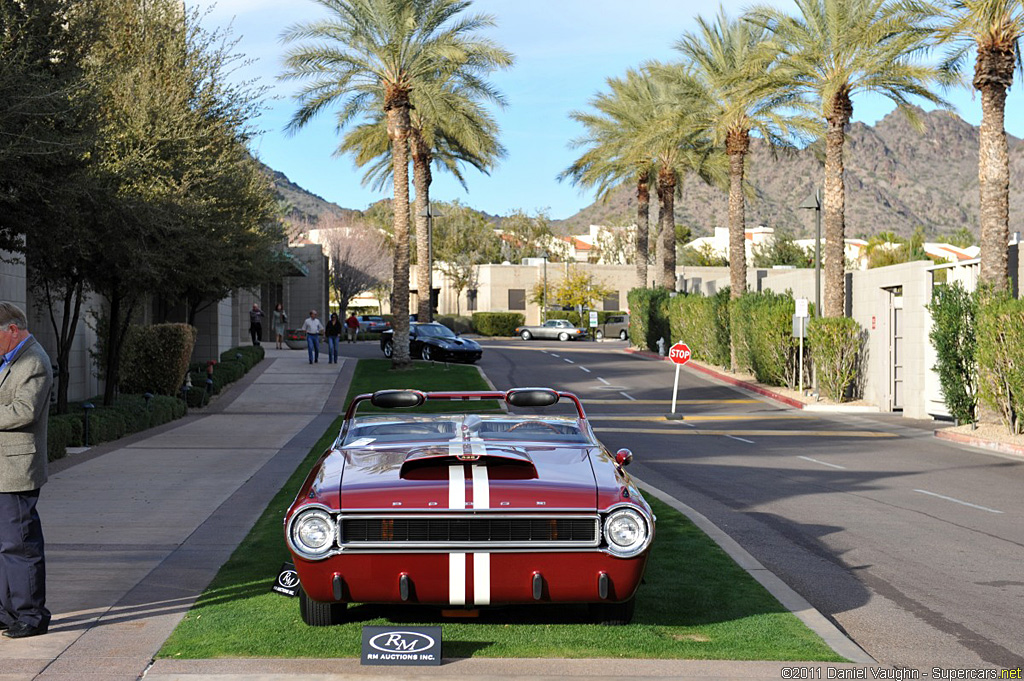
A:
(752, 387)
(991, 445)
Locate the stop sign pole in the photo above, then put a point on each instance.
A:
(680, 355)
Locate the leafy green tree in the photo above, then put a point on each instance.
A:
(702, 256)
(992, 31)
(370, 56)
(830, 51)
(781, 250)
(463, 240)
(525, 236)
(578, 289)
(954, 338)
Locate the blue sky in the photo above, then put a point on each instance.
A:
(565, 49)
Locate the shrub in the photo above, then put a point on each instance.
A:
(648, 318)
(762, 333)
(1000, 325)
(156, 357)
(62, 431)
(836, 343)
(953, 335)
(251, 355)
(497, 323)
(459, 325)
(703, 324)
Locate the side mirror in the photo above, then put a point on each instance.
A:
(623, 457)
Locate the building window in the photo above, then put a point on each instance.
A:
(471, 300)
(611, 302)
(517, 299)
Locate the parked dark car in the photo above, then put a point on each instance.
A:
(373, 323)
(434, 342)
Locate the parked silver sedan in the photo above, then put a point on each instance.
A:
(562, 329)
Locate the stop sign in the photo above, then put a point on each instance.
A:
(679, 353)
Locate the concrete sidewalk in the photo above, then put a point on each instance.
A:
(137, 528)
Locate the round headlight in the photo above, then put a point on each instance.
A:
(625, 530)
(313, 532)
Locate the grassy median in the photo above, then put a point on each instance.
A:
(695, 602)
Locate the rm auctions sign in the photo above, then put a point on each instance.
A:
(679, 353)
(401, 645)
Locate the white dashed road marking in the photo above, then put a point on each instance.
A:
(749, 442)
(830, 465)
(585, 369)
(957, 501)
(628, 397)
(603, 381)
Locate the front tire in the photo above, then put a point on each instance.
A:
(613, 614)
(526, 335)
(563, 336)
(317, 614)
(389, 349)
(599, 335)
(427, 352)
(623, 335)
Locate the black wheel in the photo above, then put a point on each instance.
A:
(317, 614)
(563, 336)
(599, 335)
(388, 349)
(526, 335)
(427, 353)
(623, 335)
(613, 614)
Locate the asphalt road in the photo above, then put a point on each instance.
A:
(913, 546)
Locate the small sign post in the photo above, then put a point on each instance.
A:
(800, 319)
(680, 355)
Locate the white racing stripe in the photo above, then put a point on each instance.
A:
(476, 447)
(456, 487)
(481, 488)
(457, 578)
(481, 579)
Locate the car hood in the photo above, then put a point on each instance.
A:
(434, 478)
(452, 342)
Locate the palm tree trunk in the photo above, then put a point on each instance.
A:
(667, 217)
(835, 211)
(737, 144)
(421, 182)
(398, 132)
(993, 75)
(643, 208)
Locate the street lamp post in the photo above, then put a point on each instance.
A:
(544, 300)
(430, 215)
(813, 202)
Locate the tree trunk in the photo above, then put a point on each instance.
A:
(643, 207)
(398, 132)
(993, 75)
(667, 194)
(72, 304)
(737, 145)
(835, 208)
(421, 181)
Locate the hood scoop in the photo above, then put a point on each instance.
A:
(433, 459)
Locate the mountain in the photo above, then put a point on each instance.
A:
(897, 178)
(302, 206)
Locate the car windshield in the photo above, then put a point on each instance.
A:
(375, 430)
(434, 331)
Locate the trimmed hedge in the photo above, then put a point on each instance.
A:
(703, 324)
(1000, 325)
(129, 414)
(953, 336)
(648, 318)
(61, 431)
(497, 323)
(761, 325)
(837, 344)
(459, 325)
(155, 358)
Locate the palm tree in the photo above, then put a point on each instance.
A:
(831, 51)
(732, 68)
(993, 29)
(449, 127)
(370, 56)
(613, 155)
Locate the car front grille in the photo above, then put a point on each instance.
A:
(507, 532)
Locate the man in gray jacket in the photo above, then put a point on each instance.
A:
(25, 380)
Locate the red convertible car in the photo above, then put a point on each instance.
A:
(466, 511)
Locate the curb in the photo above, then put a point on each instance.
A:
(990, 445)
(790, 599)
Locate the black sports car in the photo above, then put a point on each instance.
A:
(434, 342)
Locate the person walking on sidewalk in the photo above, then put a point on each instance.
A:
(279, 320)
(333, 334)
(25, 380)
(352, 326)
(313, 328)
(256, 323)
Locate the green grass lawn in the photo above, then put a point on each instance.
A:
(695, 602)
(376, 374)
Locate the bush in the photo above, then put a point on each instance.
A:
(156, 357)
(251, 355)
(459, 325)
(497, 323)
(703, 324)
(62, 431)
(761, 325)
(953, 335)
(1000, 325)
(836, 343)
(648, 318)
